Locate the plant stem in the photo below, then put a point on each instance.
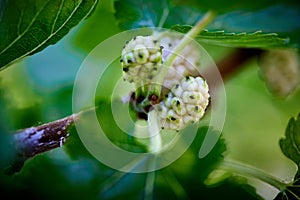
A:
(203, 22)
(249, 171)
(35, 140)
(149, 185)
(154, 131)
(29, 142)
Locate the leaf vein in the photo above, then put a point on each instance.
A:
(57, 15)
(25, 31)
(20, 21)
(2, 11)
(293, 137)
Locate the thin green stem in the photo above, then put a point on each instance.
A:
(154, 131)
(175, 185)
(118, 175)
(249, 171)
(149, 185)
(203, 22)
(141, 90)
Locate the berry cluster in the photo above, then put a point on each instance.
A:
(185, 98)
(185, 64)
(184, 104)
(141, 58)
(280, 80)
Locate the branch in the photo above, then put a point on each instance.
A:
(32, 141)
(249, 171)
(35, 140)
(230, 65)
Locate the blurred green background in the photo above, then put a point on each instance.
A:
(39, 90)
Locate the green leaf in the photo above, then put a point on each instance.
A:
(116, 186)
(230, 5)
(254, 29)
(204, 165)
(290, 145)
(166, 13)
(156, 13)
(245, 40)
(29, 26)
(185, 178)
(291, 192)
(111, 128)
(286, 17)
(56, 171)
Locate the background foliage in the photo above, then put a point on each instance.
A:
(39, 89)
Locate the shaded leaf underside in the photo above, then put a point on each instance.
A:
(236, 28)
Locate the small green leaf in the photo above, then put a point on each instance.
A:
(291, 192)
(290, 145)
(29, 26)
(244, 40)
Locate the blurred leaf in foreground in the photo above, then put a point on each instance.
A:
(27, 27)
(184, 179)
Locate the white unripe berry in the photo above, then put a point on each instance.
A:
(178, 106)
(155, 49)
(185, 64)
(185, 103)
(177, 90)
(168, 100)
(141, 58)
